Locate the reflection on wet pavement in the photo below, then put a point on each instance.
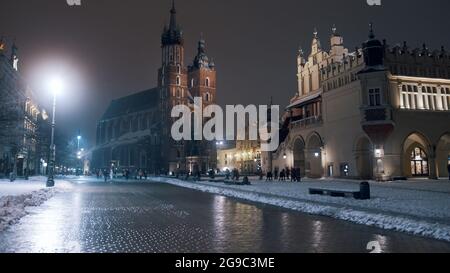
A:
(155, 218)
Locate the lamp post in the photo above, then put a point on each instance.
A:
(56, 86)
(79, 165)
(78, 140)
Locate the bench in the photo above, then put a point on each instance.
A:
(400, 178)
(334, 193)
(362, 194)
(245, 182)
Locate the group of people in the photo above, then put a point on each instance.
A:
(109, 174)
(105, 173)
(235, 174)
(286, 174)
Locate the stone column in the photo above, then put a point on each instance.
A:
(439, 96)
(420, 98)
(432, 163)
(402, 102)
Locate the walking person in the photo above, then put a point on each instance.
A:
(105, 175)
(282, 176)
(293, 174)
(269, 176)
(227, 174)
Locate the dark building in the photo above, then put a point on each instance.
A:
(23, 149)
(135, 131)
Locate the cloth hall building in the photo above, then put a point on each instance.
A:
(379, 112)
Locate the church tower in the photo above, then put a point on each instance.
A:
(202, 83)
(173, 88)
(202, 76)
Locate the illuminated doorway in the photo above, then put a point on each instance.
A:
(419, 162)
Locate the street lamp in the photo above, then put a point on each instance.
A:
(78, 139)
(79, 157)
(56, 86)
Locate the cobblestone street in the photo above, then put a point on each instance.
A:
(154, 217)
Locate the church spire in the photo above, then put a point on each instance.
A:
(173, 17)
(172, 34)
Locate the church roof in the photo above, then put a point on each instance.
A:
(133, 103)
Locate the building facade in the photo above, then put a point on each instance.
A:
(135, 131)
(23, 149)
(244, 155)
(378, 112)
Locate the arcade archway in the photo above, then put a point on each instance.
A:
(443, 156)
(364, 158)
(416, 161)
(299, 156)
(314, 156)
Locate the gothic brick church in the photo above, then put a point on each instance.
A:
(135, 131)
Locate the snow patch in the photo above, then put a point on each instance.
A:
(12, 208)
(17, 196)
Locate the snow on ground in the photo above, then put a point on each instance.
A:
(16, 196)
(420, 207)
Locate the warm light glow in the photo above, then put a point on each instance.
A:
(316, 154)
(378, 152)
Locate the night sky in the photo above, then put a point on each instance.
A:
(110, 48)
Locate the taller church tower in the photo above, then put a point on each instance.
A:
(173, 86)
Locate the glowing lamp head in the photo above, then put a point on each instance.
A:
(56, 85)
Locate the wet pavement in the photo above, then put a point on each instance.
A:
(160, 218)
